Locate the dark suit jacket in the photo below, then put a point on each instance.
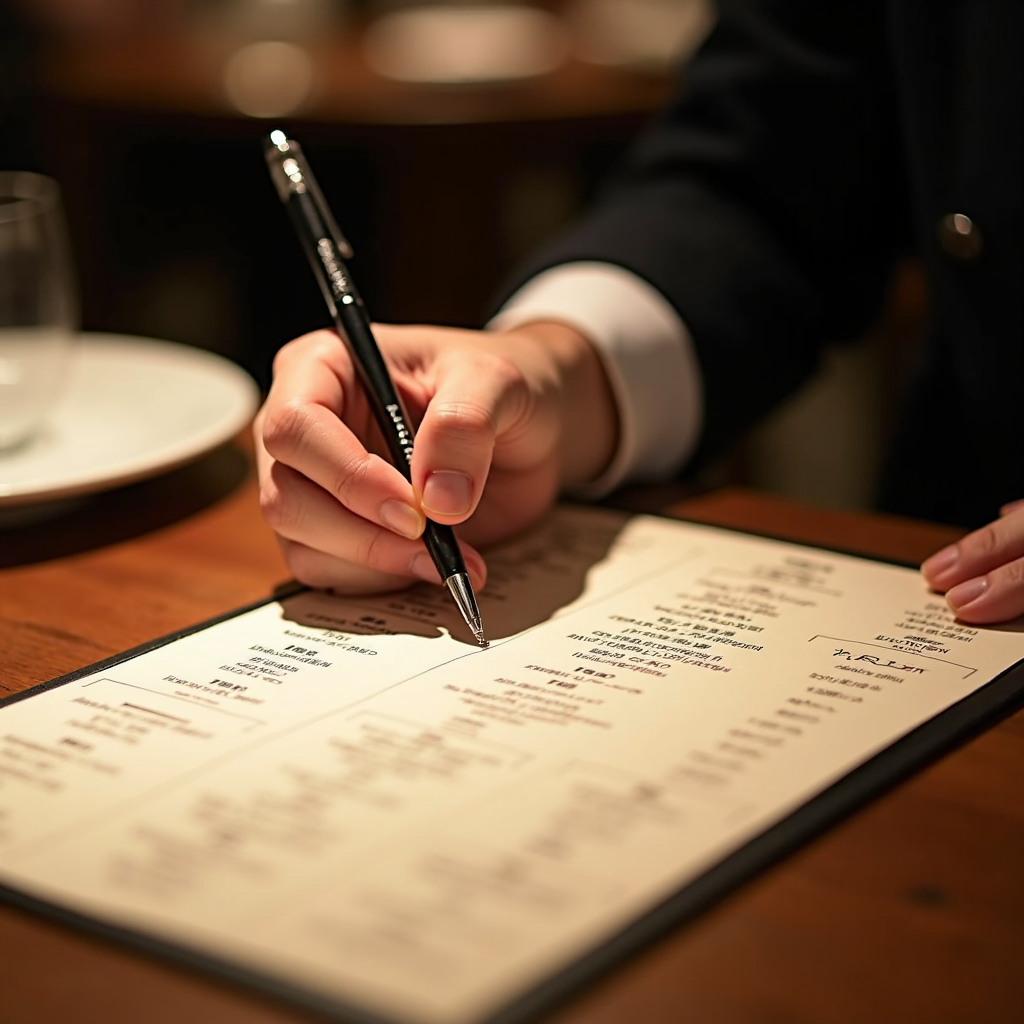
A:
(813, 143)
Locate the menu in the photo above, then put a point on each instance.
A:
(346, 801)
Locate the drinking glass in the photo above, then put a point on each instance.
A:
(38, 308)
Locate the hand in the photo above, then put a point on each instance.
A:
(982, 575)
(505, 420)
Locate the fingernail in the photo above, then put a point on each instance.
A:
(405, 520)
(423, 568)
(964, 593)
(941, 561)
(447, 493)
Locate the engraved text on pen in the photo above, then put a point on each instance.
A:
(404, 437)
(339, 283)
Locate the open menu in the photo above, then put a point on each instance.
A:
(347, 802)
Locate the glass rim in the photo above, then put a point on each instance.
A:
(26, 194)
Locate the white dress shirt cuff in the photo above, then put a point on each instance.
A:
(646, 351)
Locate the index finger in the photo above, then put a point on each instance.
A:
(980, 552)
(314, 421)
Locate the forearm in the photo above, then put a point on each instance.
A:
(744, 206)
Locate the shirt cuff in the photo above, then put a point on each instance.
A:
(647, 353)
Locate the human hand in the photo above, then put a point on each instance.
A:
(504, 421)
(982, 575)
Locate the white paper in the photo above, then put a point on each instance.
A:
(349, 796)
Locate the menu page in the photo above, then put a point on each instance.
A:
(347, 795)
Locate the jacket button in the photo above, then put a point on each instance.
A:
(959, 236)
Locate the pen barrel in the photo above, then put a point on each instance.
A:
(325, 249)
(354, 327)
(444, 549)
(388, 408)
(353, 324)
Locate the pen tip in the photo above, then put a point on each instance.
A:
(477, 626)
(462, 590)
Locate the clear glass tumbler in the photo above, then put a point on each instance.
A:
(38, 305)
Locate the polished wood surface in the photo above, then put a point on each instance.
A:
(182, 73)
(912, 910)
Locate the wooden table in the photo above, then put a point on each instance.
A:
(912, 910)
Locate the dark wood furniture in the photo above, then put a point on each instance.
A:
(441, 188)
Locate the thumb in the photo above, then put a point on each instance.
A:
(478, 396)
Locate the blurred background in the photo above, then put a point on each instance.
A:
(449, 139)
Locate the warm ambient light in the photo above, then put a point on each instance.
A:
(268, 79)
(446, 43)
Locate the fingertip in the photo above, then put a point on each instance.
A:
(402, 518)
(940, 564)
(995, 597)
(967, 593)
(448, 494)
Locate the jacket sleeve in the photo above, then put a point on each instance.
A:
(766, 203)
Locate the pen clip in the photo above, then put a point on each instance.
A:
(291, 175)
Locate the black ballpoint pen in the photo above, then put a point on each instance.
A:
(327, 249)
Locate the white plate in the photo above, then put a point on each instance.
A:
(133, 407)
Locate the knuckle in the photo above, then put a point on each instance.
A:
(288, 352)
(521, 396)
(324, 346)
(500, 368)
(1013, 574)
(351, 479)
(985, 542)
(463, 420)
(283, 427)
(370, 550)
(320, 345)
(283, 356)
